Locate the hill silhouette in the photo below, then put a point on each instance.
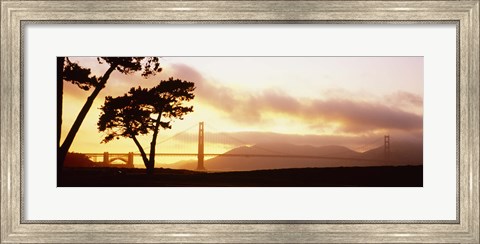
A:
(402, 153)
(78, 160)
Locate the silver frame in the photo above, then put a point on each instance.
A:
(14, 14)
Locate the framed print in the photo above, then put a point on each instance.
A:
(240, 121)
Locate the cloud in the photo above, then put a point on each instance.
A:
(185, 72)
(347, 114)
(221, 98)
(357, 116)
(407, 98)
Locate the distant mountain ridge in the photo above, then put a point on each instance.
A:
(402, 153)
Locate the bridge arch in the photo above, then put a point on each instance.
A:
(127, 158)
(111, 160)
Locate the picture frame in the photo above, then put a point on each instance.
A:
(465, 14)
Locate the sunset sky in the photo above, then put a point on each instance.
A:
(348, 101)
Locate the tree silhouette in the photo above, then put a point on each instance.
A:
(82, 78)
(140, 112)
(74, 73)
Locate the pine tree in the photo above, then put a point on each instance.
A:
(143, 111)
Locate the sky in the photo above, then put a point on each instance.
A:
(347, 101)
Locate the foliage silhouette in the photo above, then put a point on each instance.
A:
(78, 75)
(74, 73)
(140, 112)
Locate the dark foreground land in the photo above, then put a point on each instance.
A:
(389, 176)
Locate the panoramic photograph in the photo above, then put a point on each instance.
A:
(240, 121)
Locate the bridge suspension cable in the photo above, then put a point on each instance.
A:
(176, 135)
(371, 144)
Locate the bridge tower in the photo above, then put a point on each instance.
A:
(130, 160)
(201, 146)
(386, 146)
(106, 158)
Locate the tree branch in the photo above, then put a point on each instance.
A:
(142, 152)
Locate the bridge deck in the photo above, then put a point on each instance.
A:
(243, 155)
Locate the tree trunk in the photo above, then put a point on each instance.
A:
(144, 155)
(154, 142)
(83, 113)
(60, 63)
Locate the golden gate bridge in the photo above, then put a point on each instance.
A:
(200, 154)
